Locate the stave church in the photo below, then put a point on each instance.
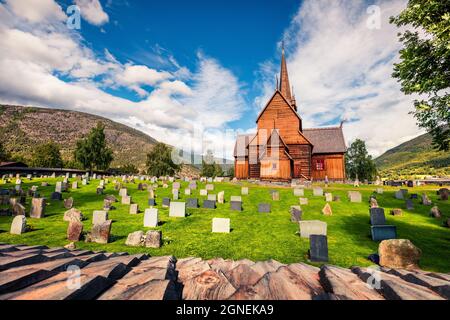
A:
(282, 149)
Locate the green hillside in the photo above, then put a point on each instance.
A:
(414, 158)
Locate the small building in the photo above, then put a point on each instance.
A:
(282, 150)
(13, 165)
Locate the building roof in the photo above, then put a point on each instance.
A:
(326, 140)
(13, 164)
(242, 142)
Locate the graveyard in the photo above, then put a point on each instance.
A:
(263, 230)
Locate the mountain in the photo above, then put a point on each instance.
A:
(22, 128)
(414, 158)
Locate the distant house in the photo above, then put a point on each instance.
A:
(282, 150)
(13, 165)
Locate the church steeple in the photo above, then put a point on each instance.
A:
(284, 86)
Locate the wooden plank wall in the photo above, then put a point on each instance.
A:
(283, 171)
(334, 167)
(241, 169)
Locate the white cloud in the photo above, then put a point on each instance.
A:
(341, 69)
(36, 11)
(47, 65)
(92, 12)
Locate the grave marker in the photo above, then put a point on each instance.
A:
(318, 251)
(264, 208)
(380, 233)
(377, 217)
(177, 209)
(220, 225)
(312, 227)
(151, 218)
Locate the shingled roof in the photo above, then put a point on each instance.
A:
(326, 140)
(242, 142)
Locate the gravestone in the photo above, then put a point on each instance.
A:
(377, 217)
(409, 204)
(84, 182)
(435, 212)
(275, 196)
(166, 202)
(414, 196)
(380, 233)
(209, 204)
(135, 239)
(177, 209)
(175, 194)
(318, 248)
(328, 197)
(405, 192)
(187, 192)
(151, 193)
(134, 208)
(44, 184)
(425, 200)
(152, 202)
(140, 187)
(37, 208)
(176, 185)
(236, 205)
(73, 215)
(310, 227)
(58, 187)
(326, 211)
(221, 197)
(443, 194)
(123, 192)
(355, 197)
(399, 195)
(18, 225)
(299, 192)
(99, 191)
(318, 192)
(337, 199)
(192, 203)
(151, 218)
(296, 213)
(74, 185)
(99, 217)
(153, 239)
(100, 232)
(18, 210)
(380, 191)
(396, 212)
(203, 192)
(193, 185)
(209, 187)
(264, 208)
(303, 201)
(56, 196)
(212, 197)
(126, 200)
(220, 225)
(244, 191)
(74, 231)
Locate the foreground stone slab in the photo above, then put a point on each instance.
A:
(209, 285)
(19, 225)
(100, 233)
(345, 285)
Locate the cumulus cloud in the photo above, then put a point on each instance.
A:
(92, 12)
(341, 66)
(36, 11)
(47, 65)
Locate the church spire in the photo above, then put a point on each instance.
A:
(285, 87)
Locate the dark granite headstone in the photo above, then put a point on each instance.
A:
(56, 196)
(192, 203)
(414, 196)
(264, 208)
(209, 204)
(166, 202)
(236, 205)
(377, 217)
(410, 184)
(318, 248)
(140, 187)
(152, 202)
(380, 233)
(409, 204)
(296, 214)
(99, 191)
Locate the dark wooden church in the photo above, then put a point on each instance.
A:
(282, 150)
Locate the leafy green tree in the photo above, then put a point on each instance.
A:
(159, 161)
(209, 167)
(92, 152)
(359, 163)
(47, 155)
(230, 172)
(424, 68)
(4, 156)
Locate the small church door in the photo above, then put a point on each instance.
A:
(297, 170)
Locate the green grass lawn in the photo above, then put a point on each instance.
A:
(254, 236)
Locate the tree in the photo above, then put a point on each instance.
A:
(47, 155)
(4, 156)
(359, 163)
(92, 152)
(159, 161)
(424, 68)
(210, 168)
(129, 169)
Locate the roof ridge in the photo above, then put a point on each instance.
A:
(323, 128)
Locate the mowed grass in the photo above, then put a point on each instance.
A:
(254, 235)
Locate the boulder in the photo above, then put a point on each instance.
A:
(73, 215)
(399, 254)
(74, 231)
(135, 239)
(100, 233)
(435, 212)
(153, 239)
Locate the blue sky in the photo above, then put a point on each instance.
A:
(191, 73)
